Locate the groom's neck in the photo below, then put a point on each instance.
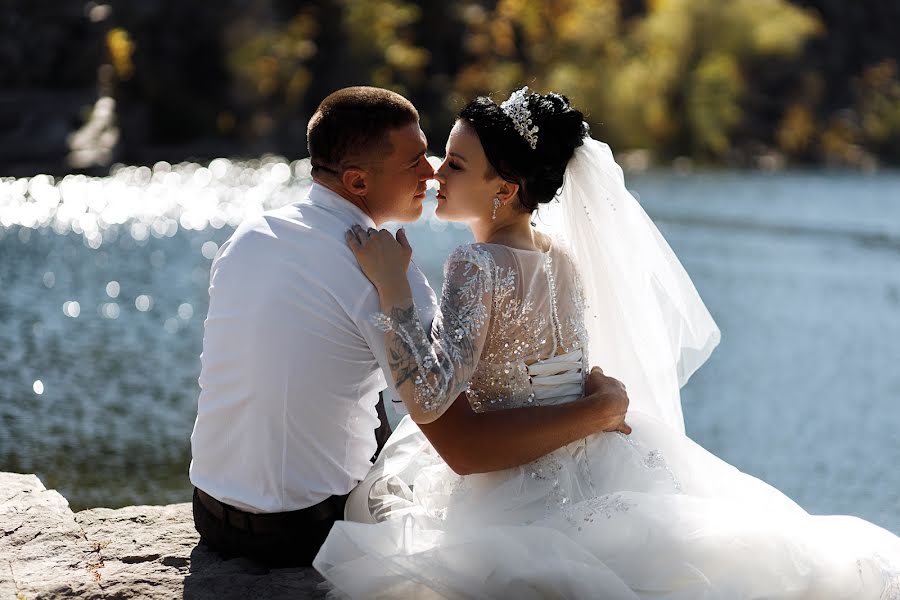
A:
(357, 201)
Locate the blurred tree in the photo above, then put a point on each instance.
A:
(286, 56)
(851, 81)
(569, 46)
(270, 56)
(816, 80)
(440, 31)
(671, 80)
(683, 84)
(870, 126)
(381, 34)
(877, 94)
(170, 74)
(860, 34)
(403, 46)
(50, 51)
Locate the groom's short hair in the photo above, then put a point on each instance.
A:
(353, 123)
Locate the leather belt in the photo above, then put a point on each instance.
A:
(332, 508)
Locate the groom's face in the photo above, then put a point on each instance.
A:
(398, 184)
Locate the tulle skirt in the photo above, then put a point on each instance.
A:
(649, 515)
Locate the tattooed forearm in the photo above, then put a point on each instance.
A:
(429, 374)
(412, 358)
(401, 358)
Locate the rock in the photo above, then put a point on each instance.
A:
(42, 545)
(47, 552)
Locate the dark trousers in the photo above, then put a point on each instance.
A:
(288, 539)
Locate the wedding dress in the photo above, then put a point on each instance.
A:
(640, 516)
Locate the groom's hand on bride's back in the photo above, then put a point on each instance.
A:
(610, 397)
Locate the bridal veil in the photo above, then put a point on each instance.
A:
(646, 323)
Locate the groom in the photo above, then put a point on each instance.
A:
(289, 414)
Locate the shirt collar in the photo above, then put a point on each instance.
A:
(319, 195)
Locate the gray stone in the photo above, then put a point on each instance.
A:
(151, 552)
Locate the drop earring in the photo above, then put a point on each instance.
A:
(496, 206)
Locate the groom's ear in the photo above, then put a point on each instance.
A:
(356, 181)
(507, 191)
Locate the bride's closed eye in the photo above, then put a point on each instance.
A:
(454, 166)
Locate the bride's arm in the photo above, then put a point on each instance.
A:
(471, 442)
(428, 375)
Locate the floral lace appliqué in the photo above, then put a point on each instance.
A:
(888, 572)
(440, 370)
(589, 510)
(653, 460)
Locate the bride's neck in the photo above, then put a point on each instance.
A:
(515, 231)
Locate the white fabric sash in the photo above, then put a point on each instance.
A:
(559, 379)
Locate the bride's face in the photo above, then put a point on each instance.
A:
(467, 188)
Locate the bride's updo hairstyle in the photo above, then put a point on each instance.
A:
(538, 171)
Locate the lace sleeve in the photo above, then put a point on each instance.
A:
(429, 375)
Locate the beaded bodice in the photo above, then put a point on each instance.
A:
(502, 311)
(537, 312)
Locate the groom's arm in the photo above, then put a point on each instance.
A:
(473, 442)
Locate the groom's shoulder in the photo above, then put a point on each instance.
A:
(294, 226)
(286, 243)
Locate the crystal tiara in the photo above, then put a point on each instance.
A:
(516, 108)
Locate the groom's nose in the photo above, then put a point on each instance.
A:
(423, 168)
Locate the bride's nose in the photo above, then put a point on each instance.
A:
(438, 170)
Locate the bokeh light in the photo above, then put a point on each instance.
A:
(172, 325)
(143, 302)
(109, 310)
(151, 202)
(209, 250)
(72, 309)
(185, 311)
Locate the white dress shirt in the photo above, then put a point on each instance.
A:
(292, 362)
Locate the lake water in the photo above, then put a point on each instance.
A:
(104, 293)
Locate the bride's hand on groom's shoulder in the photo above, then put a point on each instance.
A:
(383, 258)
(610, 398)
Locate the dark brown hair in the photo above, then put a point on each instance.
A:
(353, 123)
(539, 171)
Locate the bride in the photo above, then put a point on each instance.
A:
(642, 512)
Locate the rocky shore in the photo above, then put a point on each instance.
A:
(47, 551)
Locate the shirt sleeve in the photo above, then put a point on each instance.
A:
(429, 374)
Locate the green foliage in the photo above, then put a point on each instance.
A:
(566, 46)
(711, 103)
(683, 80)
(381, 35)
(273, 61)
(671, 80)
(878, 103)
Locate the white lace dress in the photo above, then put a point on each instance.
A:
(650, 515)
